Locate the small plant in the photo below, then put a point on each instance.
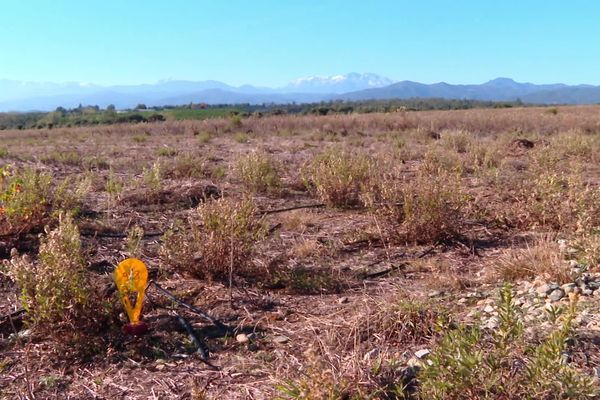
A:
(153, 177)
(341, 179)
(222, 234)
(317, 382)
(258, 172)
(133, 244)
(140, 139)
(69, 194)
(167, 152)
(559, 201)
(236, 121)
(241, 137)
(114, 186)
(301, 280)
(65, 157)
(186, 166)
(458, 141)
(203, 137)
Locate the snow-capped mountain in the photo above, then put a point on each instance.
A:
(337, 83)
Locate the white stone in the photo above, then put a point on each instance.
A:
(422, 353)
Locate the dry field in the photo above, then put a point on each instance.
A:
(431, 255)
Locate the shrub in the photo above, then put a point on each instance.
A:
(425, 210)
(54, 290)
(258, 172)
(25, 199)
(341, 179)
(167, 152)
(220, 233)
(28, 201)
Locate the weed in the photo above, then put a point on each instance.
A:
(140, 138)
(236, 121)
(64, 157)
(558, 201)
(25, 199)
(114, 187)
(404, 321)
(203, 137)
(70, 194)
(458, 141)
(133, 243)
(241, 137)
(167, 152)
(186, 166)
(153, 177)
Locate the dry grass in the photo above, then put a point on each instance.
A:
(541, 259)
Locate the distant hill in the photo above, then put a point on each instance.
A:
(26, 96)
(500, 89)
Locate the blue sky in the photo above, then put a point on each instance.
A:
(272, 42)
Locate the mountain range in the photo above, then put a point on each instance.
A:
(45, 96)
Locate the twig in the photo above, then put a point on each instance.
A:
(231, 273)
(118, 234)
(280, 210)
(25, 365)
(429, 250)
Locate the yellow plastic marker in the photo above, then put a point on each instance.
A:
(131, 276)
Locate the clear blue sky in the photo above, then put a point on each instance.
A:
(271, 42)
